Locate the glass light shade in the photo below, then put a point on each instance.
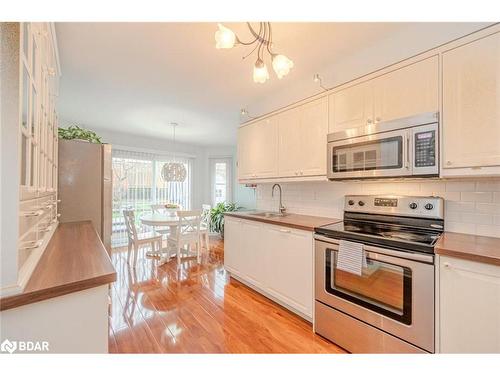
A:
(260, 73)
(173, 172)
(224, 37)
(282, 65)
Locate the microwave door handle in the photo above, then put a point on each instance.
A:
(407, 152)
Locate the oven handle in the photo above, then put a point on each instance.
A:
(379, 250)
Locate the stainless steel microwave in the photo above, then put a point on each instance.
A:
(399, 148)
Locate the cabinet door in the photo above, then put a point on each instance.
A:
(265, 147)
(471, 99)
(407, 91)
(246, 158)
(258, 149)
(289, 262)
(232, 244)
(351, 107)
(469, 306)
(252, 250)
(313, 132)
(290, 138)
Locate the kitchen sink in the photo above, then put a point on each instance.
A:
(269, 214)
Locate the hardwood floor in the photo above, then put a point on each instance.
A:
(199, 309)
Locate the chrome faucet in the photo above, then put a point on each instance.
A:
(281, 209)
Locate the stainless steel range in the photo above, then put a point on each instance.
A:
(389, 306)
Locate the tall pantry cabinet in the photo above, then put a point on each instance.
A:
(30, 79)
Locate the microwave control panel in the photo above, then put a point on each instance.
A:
(425, 149)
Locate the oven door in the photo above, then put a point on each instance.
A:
(372, 156)
(395, 292)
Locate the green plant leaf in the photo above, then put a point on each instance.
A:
(75, 132)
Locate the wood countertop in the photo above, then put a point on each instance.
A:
(75, 259)
(470, 247)
(304, 222)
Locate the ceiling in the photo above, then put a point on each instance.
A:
(136, 78)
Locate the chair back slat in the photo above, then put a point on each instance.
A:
(157, 207)
(205, 215)
(129, 216)
(189, 221)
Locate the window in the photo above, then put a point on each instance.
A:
(220, 180)
(137, 184)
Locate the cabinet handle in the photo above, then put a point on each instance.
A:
(301, 173)
(32, 245)
(285, 230)
(449, 162)
(369, 121)
(46, 229)
(32, 213)
(447, 265)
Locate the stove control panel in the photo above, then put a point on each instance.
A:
(429, 207)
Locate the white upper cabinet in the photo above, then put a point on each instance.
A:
(471, 107)
(290, 139)
(257, 149)
(351, 107)
(246, 163)
(302, 140)
(408, 91)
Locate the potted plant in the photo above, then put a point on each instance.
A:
(216, 216)
(75, 132)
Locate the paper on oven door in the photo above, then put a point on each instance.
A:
(351, 257)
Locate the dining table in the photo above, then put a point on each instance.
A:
(157, 219)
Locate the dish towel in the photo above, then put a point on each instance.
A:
(351, 257)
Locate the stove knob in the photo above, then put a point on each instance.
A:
(351, 202)
(361, 203)
(413, 206)
(429, 206)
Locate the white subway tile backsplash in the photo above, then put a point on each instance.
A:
(488, 185)
(471, 206)
(452, 226)
(460, 186)
(488, 230)
(460, 206)
(469, 196)
(496, 197)
(490, 208)
(467, 217)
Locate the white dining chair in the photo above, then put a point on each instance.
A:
(188, 232)
(136, 240)
(205, 225)
(160, 208)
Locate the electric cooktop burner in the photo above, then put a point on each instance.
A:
(376, 233)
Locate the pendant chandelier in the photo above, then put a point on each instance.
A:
(173, 171)
(263, 40)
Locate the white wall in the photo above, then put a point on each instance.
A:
(471, 206)
(9, 155)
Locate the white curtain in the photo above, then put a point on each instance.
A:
(137, 184)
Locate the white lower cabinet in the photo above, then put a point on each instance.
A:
(469, 306)
(277, 260)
